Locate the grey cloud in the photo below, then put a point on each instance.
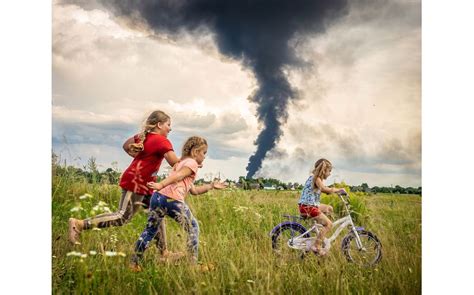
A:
(348, 146)
(369, 27)
(226, 124)
(71, 132)
(82, 130)
(191, 120)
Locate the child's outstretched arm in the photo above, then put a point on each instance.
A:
(181, 174)
(171, 158)
(328, 190)
(197, 190)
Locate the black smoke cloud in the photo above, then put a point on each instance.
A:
(259, 33)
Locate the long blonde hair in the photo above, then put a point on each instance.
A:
(320, 168)
(192, 145)
(153, 119)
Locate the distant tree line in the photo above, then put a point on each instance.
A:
(383, 189)
(91, 174)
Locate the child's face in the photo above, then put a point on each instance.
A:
(200, 155)
(164, 128)
(327, 172)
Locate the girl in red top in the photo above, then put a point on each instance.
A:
(148, 149)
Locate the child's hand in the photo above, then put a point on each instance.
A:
(342, 192)
(136, 147)
(153, 185)
(219, 185)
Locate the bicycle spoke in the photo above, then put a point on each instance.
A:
(369, 254)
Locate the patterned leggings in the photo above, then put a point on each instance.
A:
(129, 204)
(160, 206)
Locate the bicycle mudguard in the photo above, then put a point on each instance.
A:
(291, 224)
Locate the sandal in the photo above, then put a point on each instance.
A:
(74, 231)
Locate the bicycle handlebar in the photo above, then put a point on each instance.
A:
(342, 192)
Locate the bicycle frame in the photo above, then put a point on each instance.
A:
(301, 243)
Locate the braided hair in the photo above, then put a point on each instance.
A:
(192, 144)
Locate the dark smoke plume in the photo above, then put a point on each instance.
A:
(257, 32)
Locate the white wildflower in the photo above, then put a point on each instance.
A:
(75, 209)
(86, 196)
(101, 204)
(74, 253)
(113, 253)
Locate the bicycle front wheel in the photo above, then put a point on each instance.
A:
(368, 255)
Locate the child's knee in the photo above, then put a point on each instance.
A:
(328, 225)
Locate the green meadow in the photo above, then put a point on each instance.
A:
(235, 248)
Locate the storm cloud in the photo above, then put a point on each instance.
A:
(260, 33)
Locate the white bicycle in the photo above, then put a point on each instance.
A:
(358, 246)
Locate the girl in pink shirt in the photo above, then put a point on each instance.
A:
(169, 199)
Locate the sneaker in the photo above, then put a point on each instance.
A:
(74, 231)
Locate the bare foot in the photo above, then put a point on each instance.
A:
(318, 251)
(135, 267)
(169, 256)
(74, 231)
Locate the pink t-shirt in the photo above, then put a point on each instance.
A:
(179, 190)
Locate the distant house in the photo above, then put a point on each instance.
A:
(269, 187)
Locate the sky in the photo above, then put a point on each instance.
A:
(354, 91)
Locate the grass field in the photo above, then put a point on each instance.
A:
(234, 244)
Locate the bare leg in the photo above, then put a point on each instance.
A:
(327, 225)
(327, 210)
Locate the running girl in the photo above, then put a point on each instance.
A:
(169, 199)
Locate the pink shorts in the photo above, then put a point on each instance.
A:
(309, 211)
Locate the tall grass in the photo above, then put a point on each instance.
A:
(234, 244)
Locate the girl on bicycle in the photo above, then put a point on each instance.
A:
(310, 204)
(169, 199)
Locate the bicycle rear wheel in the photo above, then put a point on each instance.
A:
(282, 237)
(370, 253)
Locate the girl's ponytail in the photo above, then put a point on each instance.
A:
(153, 119)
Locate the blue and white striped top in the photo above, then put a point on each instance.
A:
(308, 195)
